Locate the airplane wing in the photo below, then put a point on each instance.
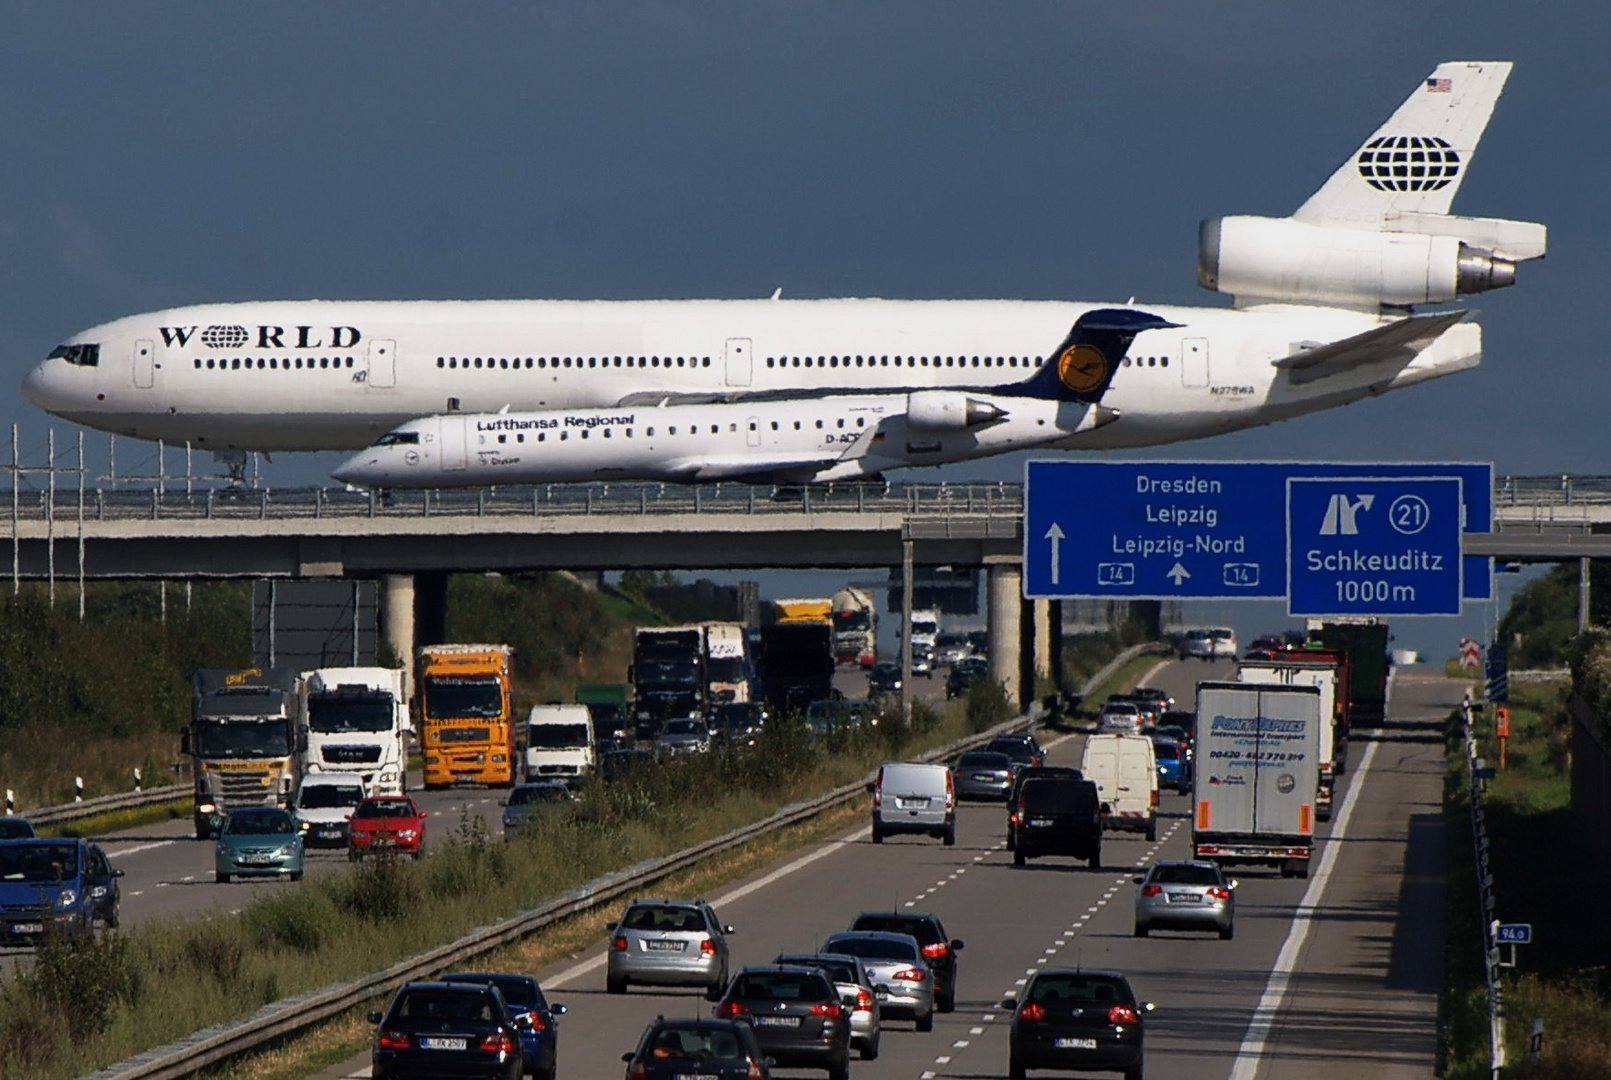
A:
(1398, 341)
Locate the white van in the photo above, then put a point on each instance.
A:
(911, 797)
(559, 743)
(323, 803)
(1126, 775)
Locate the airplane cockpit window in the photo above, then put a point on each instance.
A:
(81, 355)
(399, 438)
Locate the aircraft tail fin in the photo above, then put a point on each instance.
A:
(1083, 366)
(1416, 161)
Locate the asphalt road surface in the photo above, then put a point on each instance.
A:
(1334, 976)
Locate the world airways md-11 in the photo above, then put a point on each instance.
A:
(1322, 316)
(799, 440)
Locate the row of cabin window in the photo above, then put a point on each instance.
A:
(568, 361)
(902, 361)
(693, 429)
(275, 362)
(1149, 361)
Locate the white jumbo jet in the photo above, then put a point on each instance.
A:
(788, 439)
(1321, 318)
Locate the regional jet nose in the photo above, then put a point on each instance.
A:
(361, 470)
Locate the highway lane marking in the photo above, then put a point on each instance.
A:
(593, 964)
(1248, 1055)
(136, 849)
(959, 1044)
(943, 1059)
(976, 1031)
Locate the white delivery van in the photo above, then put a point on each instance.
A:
(559, 743)
(1126, 776)
(911, 797)
(324, 801)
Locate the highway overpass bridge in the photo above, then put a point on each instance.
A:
(73, 533)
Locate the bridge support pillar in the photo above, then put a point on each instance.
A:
(1583, 594)
(1004, 611)
(1043, 639)
(1054, 641)
(397, 608)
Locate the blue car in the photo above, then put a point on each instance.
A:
(533, 1015)
(60, 885)
(1174, 763)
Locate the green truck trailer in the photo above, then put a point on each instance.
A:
(1365, 642)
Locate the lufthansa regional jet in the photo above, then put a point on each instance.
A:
(793, 440)
(1322, 316)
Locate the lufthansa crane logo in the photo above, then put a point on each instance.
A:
(1083, 368)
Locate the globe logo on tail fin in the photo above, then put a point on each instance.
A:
(1083, 368)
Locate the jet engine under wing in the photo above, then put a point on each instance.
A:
(1401, 341)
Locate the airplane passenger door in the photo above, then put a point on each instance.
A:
(738, 361)
(1194, 362)
(383, 363)
(450, 436)
(144, 360)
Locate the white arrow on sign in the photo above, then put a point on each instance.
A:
(1179, 573)
(1055, 535)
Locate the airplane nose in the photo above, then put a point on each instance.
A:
(360, 471)
(36, 387)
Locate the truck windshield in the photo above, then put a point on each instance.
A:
(448, 696)
(850, 620)
(556, 736)
(265, 739)
(661, 673)
(244, 701)
(726, 669)
(339, 717)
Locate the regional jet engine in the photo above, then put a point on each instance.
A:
(948, 410)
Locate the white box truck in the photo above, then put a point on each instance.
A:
(1254, 790)
(559, 743)
(358, 722)
(1324, 676)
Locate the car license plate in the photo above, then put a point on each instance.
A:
(1075, 1044)
(439, 1043)
(1184, 898)
(256, 860)
(911, 804)
(695, 1076)
(329, 834)
(1040, 822)
(778, 1021)
(663, 946)
(983, 778)
(27, 928)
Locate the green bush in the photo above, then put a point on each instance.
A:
(986, 705)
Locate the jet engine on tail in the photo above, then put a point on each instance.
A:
(1378, 234)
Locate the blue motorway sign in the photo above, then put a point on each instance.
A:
(1373, 546)
(1170, 530)
(1516, 933)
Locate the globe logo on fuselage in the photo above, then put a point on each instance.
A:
(1083, 368)
(224, 337)
(1408, 163)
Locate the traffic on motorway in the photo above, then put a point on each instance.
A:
(888, 967)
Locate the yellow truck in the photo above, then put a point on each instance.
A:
(466, 711)
(804, 611)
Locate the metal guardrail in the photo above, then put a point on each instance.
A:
(290, 1015)
(104, 804)
(558, 500)
(162, 503)
(1485, 897)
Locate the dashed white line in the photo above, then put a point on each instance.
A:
(959, 1044)
(976, 1031)
(136, 849)
(943, 1059)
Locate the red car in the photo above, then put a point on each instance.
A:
(392, 823)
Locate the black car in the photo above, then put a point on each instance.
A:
(939, 950)
(675, 1049)
(1074, 1019)
(1058, 816)
(446, 1029)
(1022, 748)
(539, 1036)
(798, 1017)
(964, 673)
(737, 722)
(1185, 720)
(16, 828)
(1018, 778)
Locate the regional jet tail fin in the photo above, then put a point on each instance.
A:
(1402, 341)
(1415, 162)
(1083, 366)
